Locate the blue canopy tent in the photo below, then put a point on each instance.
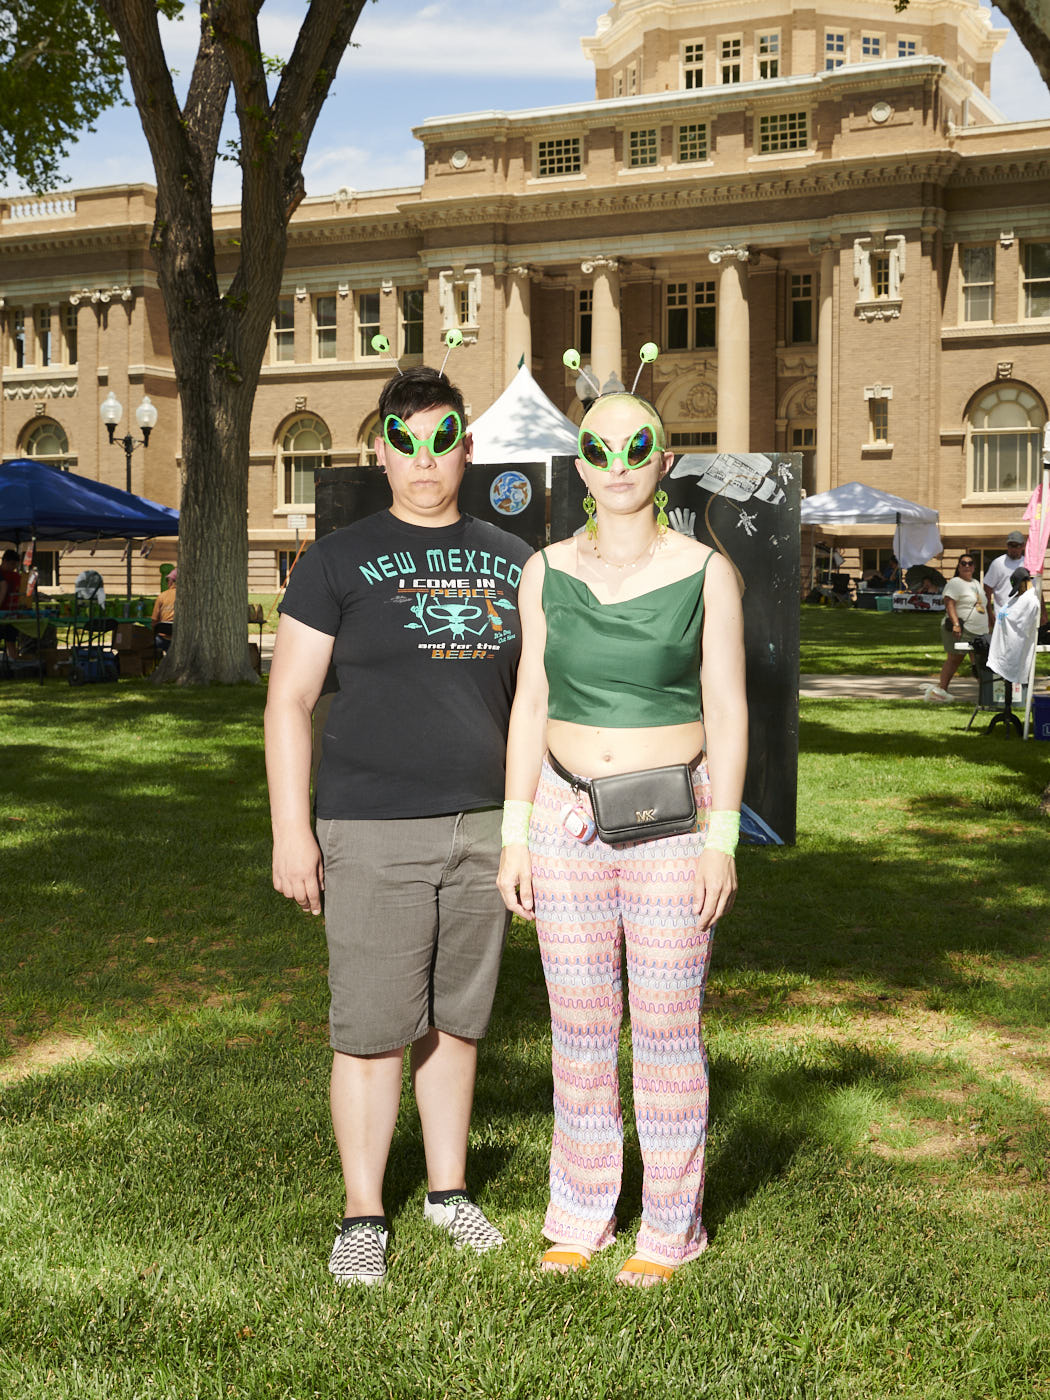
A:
(41, 502)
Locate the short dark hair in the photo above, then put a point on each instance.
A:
(10, 554)
(417, 390)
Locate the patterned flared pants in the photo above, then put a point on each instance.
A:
(590, 899)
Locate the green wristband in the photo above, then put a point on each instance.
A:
(723, 832)
(515, 829)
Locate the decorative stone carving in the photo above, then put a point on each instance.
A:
(1004, 369)
(878, 391)
(701, 401)
(459, 300)
(599, 264)
(741, 253)
(53, 389)
(885, 306)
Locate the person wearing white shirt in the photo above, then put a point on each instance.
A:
(997, 575)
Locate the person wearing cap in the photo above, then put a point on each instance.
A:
(164, 613)
(997, 575)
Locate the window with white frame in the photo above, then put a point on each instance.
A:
(690, 315)
(729, 58)
(306, 447)
(631, 79)
(1036, 281)
(783, 131)
(46, 441)
(880, 274)
(978, 283)
(800, 308)
(412, 321)
(879, 422)
(617, 85)
(324, 328)
(559, 155)
(284, 331)
(643, 146)
(44, 347)
(907, 48)
(1005, 426)
(693, 64)
(767, 54)
(367, 322)
(871, 46)
(835, 48)
(691, 143)
(584, 320)
(69, 332)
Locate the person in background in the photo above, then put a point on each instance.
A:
(965, 620)
(10, 585)
(998, 573)
(164, 613)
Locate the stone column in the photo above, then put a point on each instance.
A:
(606, 345)
(517, 337)
(825, 335)
(734, 349)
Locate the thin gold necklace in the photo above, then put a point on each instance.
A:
(611, 564)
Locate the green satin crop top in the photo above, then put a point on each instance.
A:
(625, 665)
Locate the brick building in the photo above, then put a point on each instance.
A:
(819, 215)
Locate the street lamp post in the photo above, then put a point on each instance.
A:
(146, 418)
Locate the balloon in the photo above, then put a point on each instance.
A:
(571, 359)
(648, 353)
(453, 338)
(380, 345)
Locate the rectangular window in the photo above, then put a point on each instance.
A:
(18, 338)
(801, 307)
(632, 79)
(691, 143)
(978, 279)
(284, 330)
(559, 155)
(1005, 461)
(367, 322)
(412, 321)
(879, 420)
(783, 131)
(617, 85)
(693, 64)
(285, 559)
(690, 315)
(692, 439)
(584, 314)
(880, 274)
(1037, 281)
(834, 49)
(767, 52)
(871, 46)
(907, 48)
(43, 335)
(803, 439)
(643, 147)
(729, 59)
(324, 324)
(69, 328)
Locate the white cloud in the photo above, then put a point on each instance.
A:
(357, 168)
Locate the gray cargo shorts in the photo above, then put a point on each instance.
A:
(415, 927)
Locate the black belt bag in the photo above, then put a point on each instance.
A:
(631, 807)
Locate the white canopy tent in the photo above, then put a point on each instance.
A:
(523, 425)
(916, 538)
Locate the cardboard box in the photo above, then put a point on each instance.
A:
(56, 661)
(133, 637)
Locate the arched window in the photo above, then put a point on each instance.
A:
(1005, 427)
(306, 447)
(46, 441)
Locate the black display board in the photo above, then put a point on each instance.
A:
(747, 506)
(512, 496)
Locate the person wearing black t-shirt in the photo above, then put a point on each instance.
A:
(416, 608)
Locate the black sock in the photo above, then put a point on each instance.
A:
(438, 1198)
(378, 1220)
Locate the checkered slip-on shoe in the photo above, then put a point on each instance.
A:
(465, 1222)
(359, 1253)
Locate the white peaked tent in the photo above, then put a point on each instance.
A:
(916, 538)
(523, 425)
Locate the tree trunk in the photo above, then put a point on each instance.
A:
(1031, 20)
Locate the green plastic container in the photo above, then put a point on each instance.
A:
(884, 603)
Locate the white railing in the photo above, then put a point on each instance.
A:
(49, 207)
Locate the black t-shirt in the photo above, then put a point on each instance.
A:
(427, 641)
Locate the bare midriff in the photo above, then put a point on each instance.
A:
(592, 753)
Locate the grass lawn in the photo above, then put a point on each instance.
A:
(852, 642)
(877, 1024)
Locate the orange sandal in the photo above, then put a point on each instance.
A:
(647, 1267)
(573, 1260)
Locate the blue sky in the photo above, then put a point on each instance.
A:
(423, 60)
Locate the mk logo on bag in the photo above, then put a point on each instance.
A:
(649, 815)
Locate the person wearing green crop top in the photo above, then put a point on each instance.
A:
(632, 658)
